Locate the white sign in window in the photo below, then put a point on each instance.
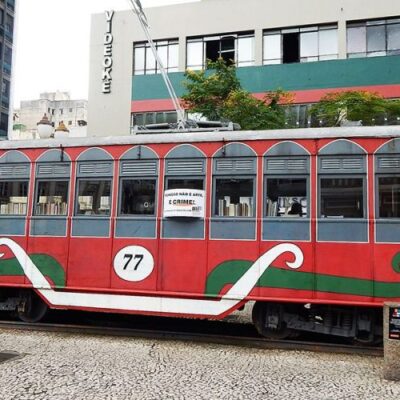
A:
(184, 203)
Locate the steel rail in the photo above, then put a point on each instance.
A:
(242, 341)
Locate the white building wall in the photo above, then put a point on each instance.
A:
(109, 114)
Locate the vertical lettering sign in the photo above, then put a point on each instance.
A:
(394, 323)
(108, 60)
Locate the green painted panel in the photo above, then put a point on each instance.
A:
(300, 76)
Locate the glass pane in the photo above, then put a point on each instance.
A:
(342, 198)
(52, 198)
(234, 198)
(13, 198)
(171, 117)
(138, 197)
(272, 47)
(139, 59)
(245, 49)
(308, 44)
(328, 42)
(173, 56)
(163, 54)
(393, 32)
(194, 54)
(376, 40)
(389, 197)
(94, 197)
(185, 184)
(150, 60)
(228, 44)
(286, 197)
(356, 40)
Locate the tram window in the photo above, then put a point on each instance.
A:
(342, 197)
(51, 198)
(234, 197)
(138, 197)
(94, 197)
(389, 197)
(13, 197)
(286, 197)
(183, 183)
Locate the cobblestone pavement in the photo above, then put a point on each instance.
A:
(60, 367)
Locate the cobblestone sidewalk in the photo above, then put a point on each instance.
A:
(63, 367)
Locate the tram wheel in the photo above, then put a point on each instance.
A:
(33, 308)
(268, 320)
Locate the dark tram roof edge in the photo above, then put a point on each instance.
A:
(211, 136)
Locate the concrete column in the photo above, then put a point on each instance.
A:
(391, 341)
(258, 47)
(182, 54)
(342, 39)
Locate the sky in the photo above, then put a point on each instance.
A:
(52, 45)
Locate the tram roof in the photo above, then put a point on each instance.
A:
(210, 136)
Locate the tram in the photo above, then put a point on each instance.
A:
(305, 223)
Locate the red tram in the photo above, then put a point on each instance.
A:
(306, 223)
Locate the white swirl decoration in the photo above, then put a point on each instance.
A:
(171, 305)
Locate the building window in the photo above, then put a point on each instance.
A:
(9, 24)
(389, 197)
(13, 197)
(51, 198)
(286, 197)
(306, 44)
(5, 89)
(342, 197)
(8, 55)
(94, 197)
(69, 123)
(70, 110)
(140, 119)
(234, 197)
(237, 48)
(373, 38)
(61, 111)
(144, 62)
(138, 197)
(4, 122)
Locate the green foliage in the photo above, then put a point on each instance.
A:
(19, 127)
(367, 107)
(217, 94)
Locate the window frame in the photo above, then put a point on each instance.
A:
(286, 176)
(361, 176)
(27, 180)
(76, 202)
(120, 193)
(253, 177)
(55, 179)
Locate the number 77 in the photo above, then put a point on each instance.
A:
(129, 257)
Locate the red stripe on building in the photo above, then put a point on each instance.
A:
(300, 97)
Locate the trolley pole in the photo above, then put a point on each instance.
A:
(138, 10)
(391, 341)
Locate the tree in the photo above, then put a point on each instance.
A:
(218, 95)
(364, 106)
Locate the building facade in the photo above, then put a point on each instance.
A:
(7, 17)
(58, 106)
(308, 48)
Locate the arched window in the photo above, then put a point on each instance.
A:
(50, 210)
(286, 193)
(185, 168)
(387, 192)
(138, 193)
(93, 194)
(342, 210)
(234, 194)
(14, 189)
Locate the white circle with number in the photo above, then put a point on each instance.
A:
(133, 263)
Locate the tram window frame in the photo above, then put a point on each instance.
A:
(287, 213)
(361, 177)
(93, 215)
(378, 197)
(27, 198)
(36, 202)
(215, 208)
(137, 215)
(184, 178)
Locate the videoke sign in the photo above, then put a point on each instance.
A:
(107, 54)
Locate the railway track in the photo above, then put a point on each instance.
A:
(221, 339)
